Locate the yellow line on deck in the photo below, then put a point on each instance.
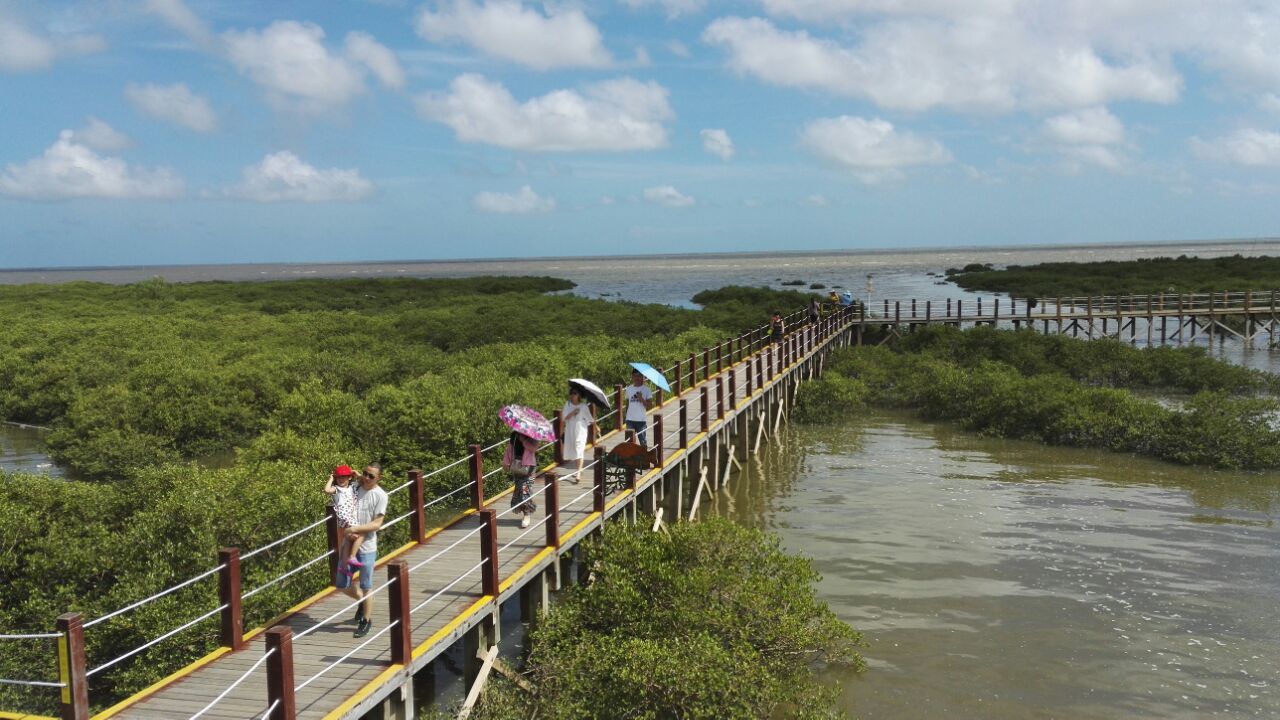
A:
(502, 586)
(451, 625)
(160, 684)
(364, 692)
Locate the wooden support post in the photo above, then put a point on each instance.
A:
(231, 632)
(331, 534)
(720, 399)
(706, 408)
(620, 407)
(477, 478)
(551, 497)
(658, 439)
(759, 363)
(398, 597)
(559, 441)
(733, 387)
(418, 520)
(598, 499)
(706, 363)
(280, 674)
(720, 350)
(693, 371)
(489, 552)
(684, 424)
(73, 702)
(677, 387)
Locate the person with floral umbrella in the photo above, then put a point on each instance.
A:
(520, 460)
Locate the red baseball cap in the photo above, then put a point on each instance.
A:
(343, 471)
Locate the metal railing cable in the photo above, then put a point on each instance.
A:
(31, 636)
(286, 538)
(520, 537)
(532, 495)
(156, 596)
(158, 640)
(343, 611)
(33, 683)
(281, 578)
(448, 587)
(441, 469)
(267, 713)
(448, 495)
(234, 684)
(455, 544)
(387, 525)
(349, 653)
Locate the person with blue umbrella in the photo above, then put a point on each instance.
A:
(640, 399)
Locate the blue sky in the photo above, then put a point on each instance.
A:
(194, 131)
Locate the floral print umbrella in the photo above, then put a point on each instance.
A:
(528, 422)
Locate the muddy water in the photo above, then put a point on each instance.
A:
(1004, 579)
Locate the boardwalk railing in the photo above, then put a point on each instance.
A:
(73, 671)
(1257, 303)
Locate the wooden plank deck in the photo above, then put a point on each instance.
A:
(331, 693)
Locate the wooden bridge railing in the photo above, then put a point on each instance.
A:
(74, 672)
(1014, 309)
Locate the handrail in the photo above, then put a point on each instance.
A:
(156, 596)
(162, 638)
(351, 652)
(234, 684)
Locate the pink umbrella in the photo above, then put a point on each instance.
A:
(528, 422)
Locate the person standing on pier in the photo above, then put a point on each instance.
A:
(639, 400)
(371, 509)
(777, 327)
(520, 461)
(577, 417)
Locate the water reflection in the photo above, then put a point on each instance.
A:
(22, 450)
(1008, 579)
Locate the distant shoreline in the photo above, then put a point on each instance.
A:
(654, 256)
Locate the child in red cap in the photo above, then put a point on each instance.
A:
(343, 502)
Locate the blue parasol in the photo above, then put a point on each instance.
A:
(653, 375)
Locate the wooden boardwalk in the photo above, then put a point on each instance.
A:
(338, 676)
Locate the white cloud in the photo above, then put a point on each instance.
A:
(668, 196)
(290, 61)
(673, 8)
(816, 201)
(70, 169)
(23, 50)
(283, 177)
(716, 141)
(617, 115)
(873, 149)
(971, 63)
(1088, 137)
(1258, 148)
(679, 49)
(522, 202)
(563, 37)
(100, 136)
(183, 19)
(173, 103)
(363, 49)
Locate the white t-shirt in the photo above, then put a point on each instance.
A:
(636, 410)
(369, 505)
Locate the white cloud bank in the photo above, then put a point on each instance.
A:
(283, 177)
(173, 103)
(100, 136)
(1088, 136)
(667, 196)
(873, 149)
(521, 202)
(1248, 146)
(717, 142)
(24, 50)
(562, 38)
(71, 169)
(617, 115)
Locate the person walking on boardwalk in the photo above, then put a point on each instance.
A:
(520, 461)
(777, 327)
(815, 311)
(341, 489)
(639, 400)
(371, 509)
(576, 418)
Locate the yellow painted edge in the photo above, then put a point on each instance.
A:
(6, 715)
(364, 692)
(502, 586)
(450, 626)
(578, 528)
(152, 689)
(618, 499)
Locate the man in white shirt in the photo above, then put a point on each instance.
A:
(371, 509)
(639, 399)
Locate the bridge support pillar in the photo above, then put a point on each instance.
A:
(533, 598)
(475, 644)
(398, 705)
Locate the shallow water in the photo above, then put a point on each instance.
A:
(1006, 579)
(22, 450)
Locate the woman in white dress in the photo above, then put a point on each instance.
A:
(577, 415)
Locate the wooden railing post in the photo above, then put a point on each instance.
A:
(477, 477)
(335, 546)
(598, 496)
(418, 520)
(706, 408)
(620, 403)
(73, 703)
(398, 596)
(280, 674)
(720, 399)
(706, 363)
(684, 424)
(658, 437)
(489, 552)
(678, 386)
(759, 362)
(231, 632)
(733, 388)
(693, 370)
(720, 350)
(551, 497)
(559, 441)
